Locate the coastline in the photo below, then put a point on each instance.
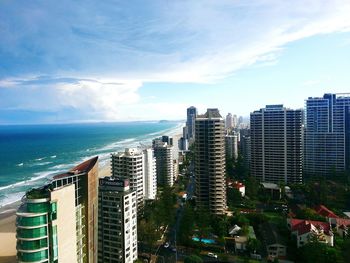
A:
(8, 213)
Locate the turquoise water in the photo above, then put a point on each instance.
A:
(204, 240)
(32, 154)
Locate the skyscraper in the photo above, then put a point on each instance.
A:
(210, 162)
(130, 165)
(231, 146)
(150, 174)
(190, 123)
(164, 163)
(276, 144)
(60, 218)
(327, 134)
(46, 223)
(245, 147)
(229, 121)
(117, 225)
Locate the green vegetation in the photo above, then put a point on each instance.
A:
(319, 252)
(157, 215)
(193, 259)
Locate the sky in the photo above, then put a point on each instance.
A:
(76, 61)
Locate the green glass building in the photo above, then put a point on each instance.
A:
(36, 235)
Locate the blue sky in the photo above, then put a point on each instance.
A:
(146, 60)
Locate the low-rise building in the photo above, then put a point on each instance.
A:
(241, 241)
(273, 189)
(306, 231)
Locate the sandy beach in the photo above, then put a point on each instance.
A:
(8, 218)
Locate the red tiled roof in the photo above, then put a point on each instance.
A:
(304, 226)
(324, 211)
(342, 222)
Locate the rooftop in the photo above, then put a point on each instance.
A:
(84, 167)
(324, 211)
(211, 113)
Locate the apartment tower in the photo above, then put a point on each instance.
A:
(276, 144)
(164, 163)
(231, 146)
(150, 174)
(210, 162)
(117, 221)
(130, 165)
(58, 222)
(190, 123)
(327, 135)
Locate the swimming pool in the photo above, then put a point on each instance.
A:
(204, 240)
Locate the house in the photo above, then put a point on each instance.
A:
(240, 187)
(272, 189)
(275, 244)
(241, 242)
(342, 225)
(234, 230)
(307, 230)
(237, 185)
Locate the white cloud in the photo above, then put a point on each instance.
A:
(103, 96)
(119, 48)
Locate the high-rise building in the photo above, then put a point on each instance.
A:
(190, 123)
(117, 224)
(245, 147)
(150, 174)
(164, 163)
(210, 162)
(276, 144)
(60, 218)
(183, 144)
(327, 134)
(46, 225)
(130, 165)
(231, 146)
(229, 121)
(235, 121)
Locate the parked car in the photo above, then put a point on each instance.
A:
(212, 255)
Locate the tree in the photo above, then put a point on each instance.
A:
(253, 245)
(318, 252)
(252, 187)
(186, 225)
(203, 224)
(193, 259)
(234, 196)
(147, 232)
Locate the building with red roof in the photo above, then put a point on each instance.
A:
(325, 212)
(308, 230)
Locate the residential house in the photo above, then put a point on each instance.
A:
(307, 230)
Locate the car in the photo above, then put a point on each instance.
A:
(212, 255)
(173, 249)
(166, 245)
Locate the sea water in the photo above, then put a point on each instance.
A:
(30, 155)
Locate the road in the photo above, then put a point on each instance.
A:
(166, 254)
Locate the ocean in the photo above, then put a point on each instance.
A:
(32, 154)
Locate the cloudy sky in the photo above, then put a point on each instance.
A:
(71, 61)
